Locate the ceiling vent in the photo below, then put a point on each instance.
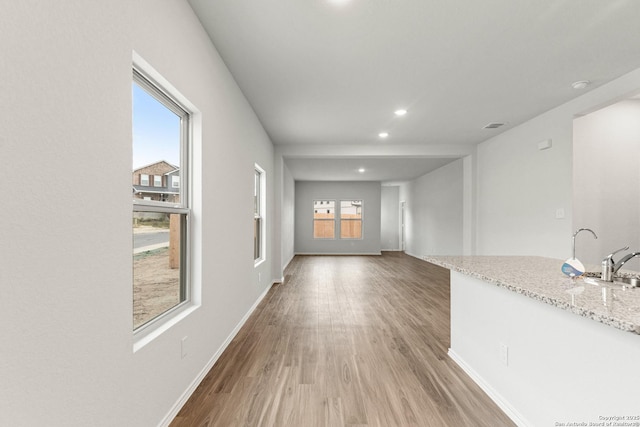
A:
(493, 125)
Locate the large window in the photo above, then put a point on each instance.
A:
(324, 223)
(160, 224)
(258, 214)
(351, 219)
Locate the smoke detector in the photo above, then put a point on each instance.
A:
(580, 84)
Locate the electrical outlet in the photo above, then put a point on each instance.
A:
(183, 347)
(504, 354)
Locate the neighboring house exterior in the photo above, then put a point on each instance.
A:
(158, 181)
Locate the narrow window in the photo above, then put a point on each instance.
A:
(351, 219)
(258, 214)
(175, 181)
(160, 223)
(324, 223)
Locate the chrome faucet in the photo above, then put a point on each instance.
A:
(626, 258)
(609, 268)
(574, 238)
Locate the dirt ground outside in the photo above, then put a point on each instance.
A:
(156, 287)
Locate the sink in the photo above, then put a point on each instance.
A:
(633, 282)
(618, 282)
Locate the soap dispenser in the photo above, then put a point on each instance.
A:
(573, 267)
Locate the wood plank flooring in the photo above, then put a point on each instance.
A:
(345, 341)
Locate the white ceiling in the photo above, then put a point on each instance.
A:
(329, 72)
(375, 169)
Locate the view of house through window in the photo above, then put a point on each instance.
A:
(351, 219)
(324, 224)
(160, 203)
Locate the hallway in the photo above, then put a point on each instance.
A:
(345, 340)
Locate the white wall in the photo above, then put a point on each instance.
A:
(288, 216)
(390, 218)
(308, 191)
(519, 188)
(65, 274)
(606, 181)
(66, 269)
(435, 212)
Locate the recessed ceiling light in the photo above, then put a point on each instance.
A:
(400, 112)
(361, 170)
(580, 84)
(383, 134)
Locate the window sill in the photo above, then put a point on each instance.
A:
(147, 335)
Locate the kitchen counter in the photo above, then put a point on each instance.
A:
(541, 279)
(525, 333)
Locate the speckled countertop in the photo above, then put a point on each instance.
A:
(541, 279)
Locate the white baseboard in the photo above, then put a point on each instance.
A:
(288, 262)
(413, 255)
(338, 253)
(502, 403)
(196, 382)
(391, 250)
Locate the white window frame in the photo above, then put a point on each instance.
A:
(175, 181)
(157, 179)
(147, 77)
(144, 177)
(259, 215)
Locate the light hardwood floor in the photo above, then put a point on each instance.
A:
(345, 341)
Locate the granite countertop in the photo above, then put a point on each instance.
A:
(541, 279)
